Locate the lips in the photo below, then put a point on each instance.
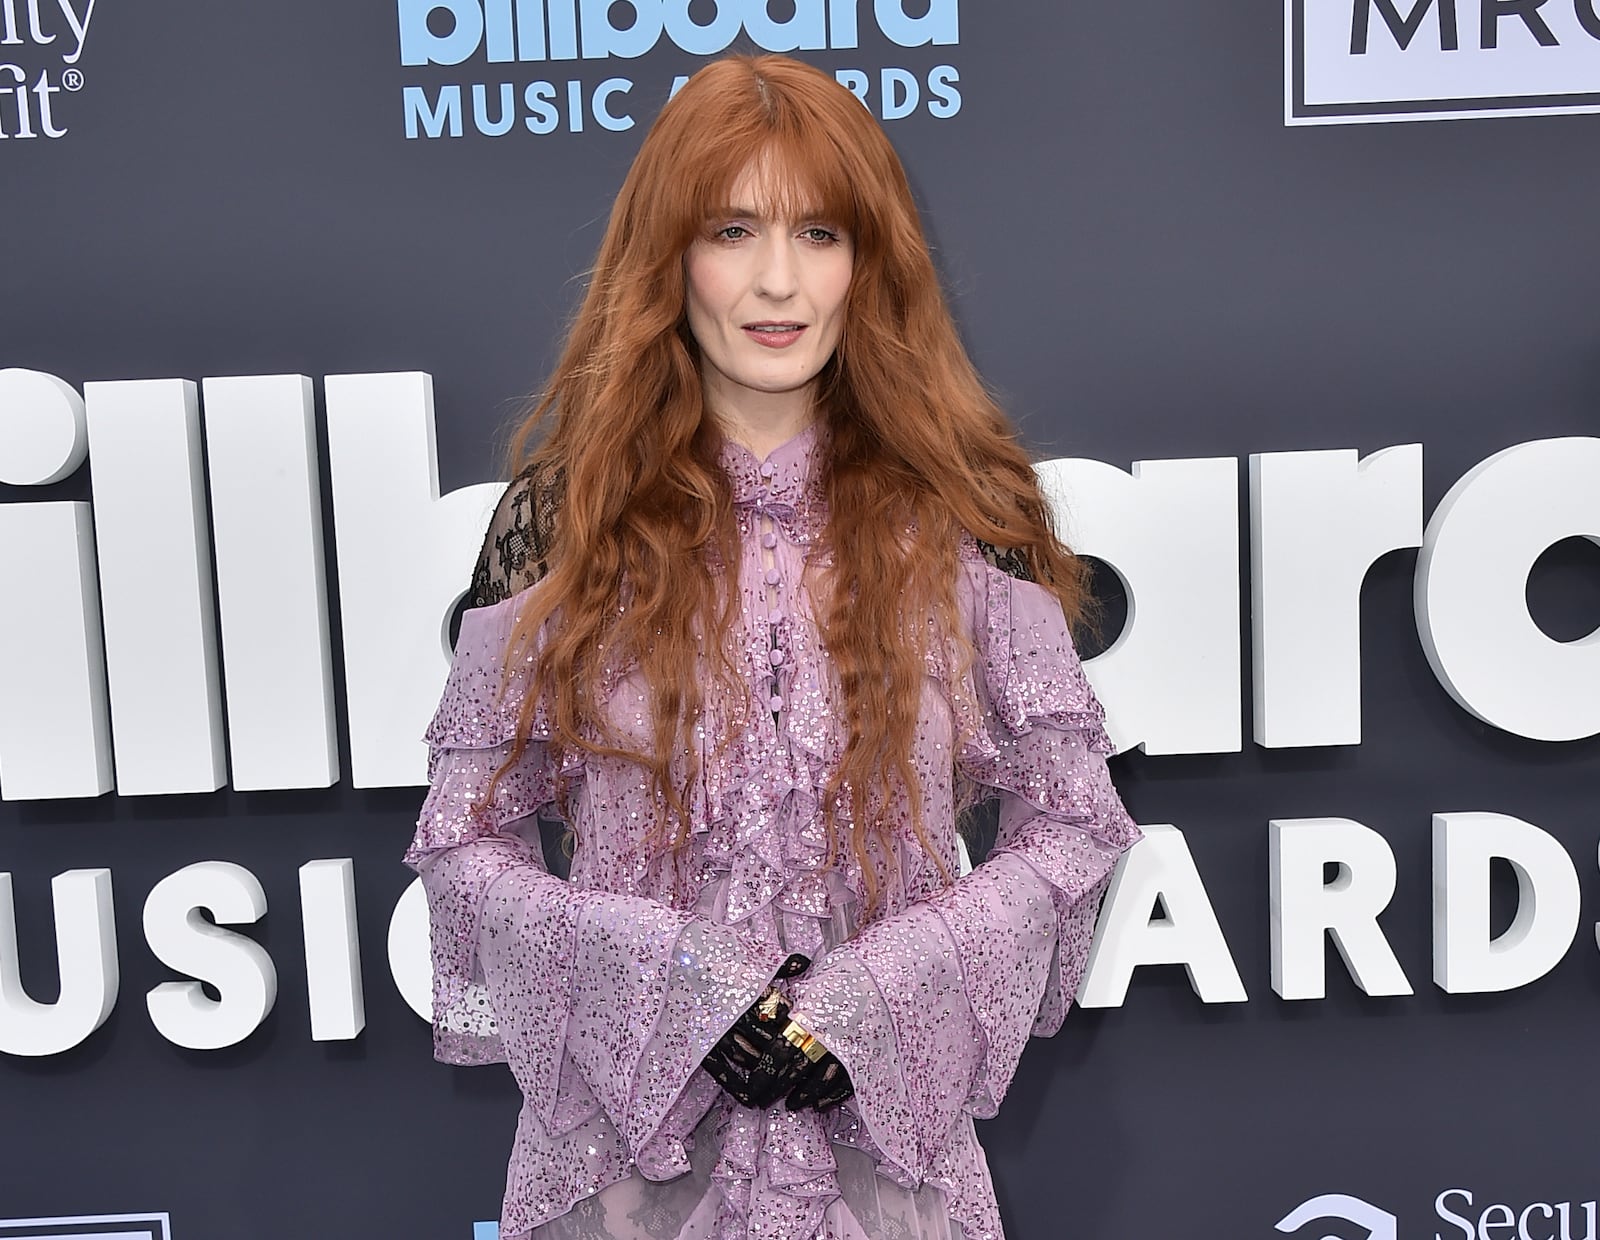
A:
(774, 334)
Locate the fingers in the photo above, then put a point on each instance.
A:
(725, 1075)
(740, 1054)
(811, 1081)
(824, 1086)
(836, 1092)
(780, 1068)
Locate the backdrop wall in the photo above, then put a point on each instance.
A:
(1173, 234)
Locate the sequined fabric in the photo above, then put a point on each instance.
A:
(604, 991)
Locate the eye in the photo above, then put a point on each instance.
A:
(820, 235)
(732, 232)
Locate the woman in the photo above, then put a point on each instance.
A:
(746, 626)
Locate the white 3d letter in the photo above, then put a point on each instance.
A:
(1318, 521)
(55, 739)
(409, 961)
(185, 941)
(266, 511)
(1159, 867)
(1304, 907)
(1465, 959)
(1170, 530)
(1472, 590)
(405, 558)
(155, 586)
(333, 949)
(86, 955)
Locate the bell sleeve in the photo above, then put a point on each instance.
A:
(929, 1008)
(599, 1002)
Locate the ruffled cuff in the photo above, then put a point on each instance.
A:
(891, 1006)
(609, 1003)
(929, 1010)
(465, 1028)
(1018, 936)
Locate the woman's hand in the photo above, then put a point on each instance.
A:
(749, 1060)
(768, 1055)
(822, 1081)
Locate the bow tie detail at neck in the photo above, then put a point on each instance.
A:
(788, 479)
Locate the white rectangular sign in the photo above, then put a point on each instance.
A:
(1353, 61)
(88, 1227)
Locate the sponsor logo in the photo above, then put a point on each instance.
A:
(41, 43)
(1457, 1215)
(1351, 61)
(575, 45)
(82, 1226)
(1375, 1224)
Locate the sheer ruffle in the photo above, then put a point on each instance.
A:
(608, 989)
(607, 1005)
(604, 1005)
(470, 739)
(929, 1007)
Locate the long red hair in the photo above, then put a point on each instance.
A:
(646, 529)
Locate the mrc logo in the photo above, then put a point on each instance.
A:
(569, 40)
(1351, 61)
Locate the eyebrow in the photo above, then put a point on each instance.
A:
(751, 213)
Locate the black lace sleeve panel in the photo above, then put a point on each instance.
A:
(1011, 562)
(516, 550)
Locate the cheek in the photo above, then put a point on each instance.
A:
(837, 286)
(706, 285)
(832, 293)
(693, 290)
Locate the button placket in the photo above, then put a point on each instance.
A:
(772, 578)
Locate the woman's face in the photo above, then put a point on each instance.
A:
(765, 301)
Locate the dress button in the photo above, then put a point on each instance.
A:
(778, 616)
(775, 703)
(773, 576)
(766, 469)
(769, 540)
(775, 657)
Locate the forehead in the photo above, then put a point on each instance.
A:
(773, 188)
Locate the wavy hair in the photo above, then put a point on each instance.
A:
(646, 527)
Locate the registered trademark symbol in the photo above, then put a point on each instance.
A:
(72, 79)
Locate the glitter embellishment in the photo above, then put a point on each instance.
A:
(604, 991)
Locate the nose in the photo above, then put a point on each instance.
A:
(776, 273)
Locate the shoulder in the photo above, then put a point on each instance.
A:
(530, 503)
(1013, 562)
(999, 596)
(516, 548)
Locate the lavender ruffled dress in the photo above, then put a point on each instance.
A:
(604, 991)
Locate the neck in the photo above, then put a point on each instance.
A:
(762, 421)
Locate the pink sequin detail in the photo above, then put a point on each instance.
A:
(604, 992)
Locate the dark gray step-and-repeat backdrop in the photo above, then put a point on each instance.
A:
(1297, 303)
